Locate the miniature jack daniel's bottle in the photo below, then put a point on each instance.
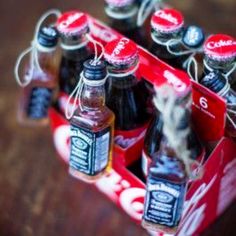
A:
(220, 54)
(73, 27)
(169, 172)
(125, 94)
(39, 78)
(166, 188)
(92, 126)
(123, 17)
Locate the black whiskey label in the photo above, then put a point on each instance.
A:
(89, 151)
(39, 102)
(164, 202)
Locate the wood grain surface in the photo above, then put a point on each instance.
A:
(37, 196)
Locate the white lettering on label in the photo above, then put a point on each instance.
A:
(221, 43)
(164, 188)
(103, 34)
(167, 17)
(120, 46)
(178, 85)
(78, 133)
(71, 19)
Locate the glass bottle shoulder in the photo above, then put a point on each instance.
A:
(93, 119)
(167, 166)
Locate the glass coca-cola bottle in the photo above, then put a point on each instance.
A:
(41, 71)
(219, 55)
(125, 94)
(123, 17)
(167, 25)
(154, 136)
(218, 83)
(73, 27)
(92, 126)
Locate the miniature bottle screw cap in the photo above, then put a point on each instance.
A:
(48, 36)
(119, 3)
(167, 21)
(121, 51)
(220, 47)
(193, 36)
(72, 23)
(94, 70)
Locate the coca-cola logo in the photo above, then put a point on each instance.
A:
(120, 46)
(70, 20)
(124, 192)
(103, 34)
(167, 16)
(220, 43)
(127, 142)
(178, 85)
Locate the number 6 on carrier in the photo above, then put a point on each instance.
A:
(203, 102)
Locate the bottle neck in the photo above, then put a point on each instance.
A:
(93, 97)
(123, 71)
(75, 47)
(165, 164)
(122, 18)
(46, 59)
(162, 38)
(184, 124)
(223, 66)
(123, 76)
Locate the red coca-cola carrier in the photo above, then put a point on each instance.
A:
(208, 197)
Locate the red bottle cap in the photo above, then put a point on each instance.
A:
(220, 47)
(119, 3)
(121, 51)
(167, 20)
(72, 23)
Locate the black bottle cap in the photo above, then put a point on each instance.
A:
(215, 81)
(48, 36)
(193, 36)
(94, 70)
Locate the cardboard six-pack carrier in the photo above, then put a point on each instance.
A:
(208, 197)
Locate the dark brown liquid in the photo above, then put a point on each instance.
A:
(154, 136)
(128, 28)
(161, 52)
(70, 68)
(126, 98)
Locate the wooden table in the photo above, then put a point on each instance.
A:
(37, 195)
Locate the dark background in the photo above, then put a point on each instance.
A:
(37, 196)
